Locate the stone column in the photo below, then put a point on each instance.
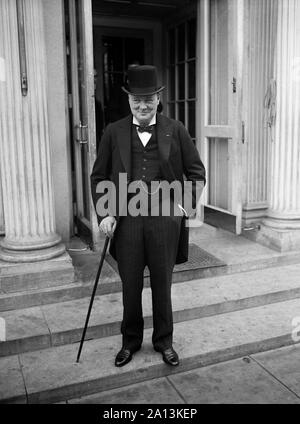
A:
(282, 226)
(24, 141)
(2, 79)
(1, 211)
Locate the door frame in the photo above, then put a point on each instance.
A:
(230, 219)
(88, 63)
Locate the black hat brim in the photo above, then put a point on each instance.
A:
(142, 93)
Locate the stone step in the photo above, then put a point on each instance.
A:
(52, 375)
(80, 288)
(62, 323)
(110, 281)
(30, 276)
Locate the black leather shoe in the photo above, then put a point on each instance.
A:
(124, 356)
(169, 355)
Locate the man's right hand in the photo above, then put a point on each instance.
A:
(108, 226)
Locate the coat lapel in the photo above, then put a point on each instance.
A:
(124, 143)
(164, 138)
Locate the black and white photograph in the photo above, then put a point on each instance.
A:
(149, 206)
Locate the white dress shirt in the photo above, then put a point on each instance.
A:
(144, 136)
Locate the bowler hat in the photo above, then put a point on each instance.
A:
(142, 80)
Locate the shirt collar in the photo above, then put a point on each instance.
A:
(152, 122)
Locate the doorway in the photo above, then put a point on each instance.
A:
(196, 49)
(114, 50)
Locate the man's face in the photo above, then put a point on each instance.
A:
(143, 108)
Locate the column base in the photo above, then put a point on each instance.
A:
(34, 255)
(253, 214)
(277, 237)
(22, 277)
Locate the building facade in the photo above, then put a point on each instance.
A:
(232, 71)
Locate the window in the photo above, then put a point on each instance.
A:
(182, 74)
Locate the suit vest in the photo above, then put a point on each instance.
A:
(144, 160)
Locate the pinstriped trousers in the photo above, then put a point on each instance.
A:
(151, 241)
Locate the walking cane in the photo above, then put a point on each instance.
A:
(92, 298)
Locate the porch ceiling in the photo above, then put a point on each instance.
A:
(151, 9)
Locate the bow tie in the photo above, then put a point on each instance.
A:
(148, 129)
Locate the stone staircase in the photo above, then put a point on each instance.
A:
(219, 314)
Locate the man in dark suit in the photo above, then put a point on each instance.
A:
(148, 148)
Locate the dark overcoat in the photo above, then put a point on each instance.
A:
(178, 158)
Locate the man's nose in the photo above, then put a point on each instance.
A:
(143, 105)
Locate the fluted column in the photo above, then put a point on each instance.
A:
(24, 141)
(2, 79)
(1, 211)
(283, 221)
